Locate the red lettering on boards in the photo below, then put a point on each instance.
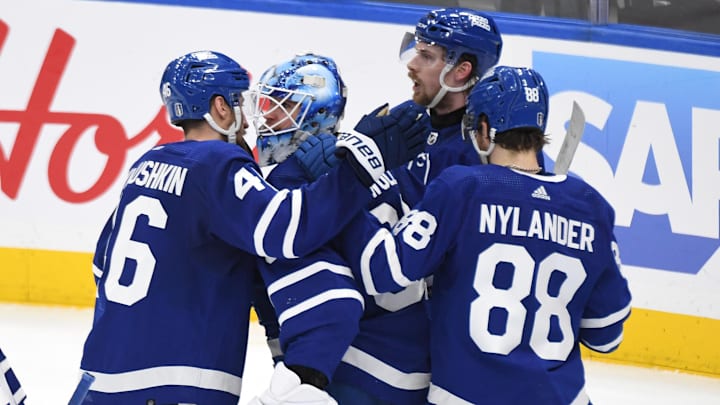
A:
(110, 137)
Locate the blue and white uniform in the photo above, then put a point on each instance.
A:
(11, 393)
(175, 263)
(525, 268)
(315, 297)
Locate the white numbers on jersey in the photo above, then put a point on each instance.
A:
(415, 292)
(417, 227)
(245, 181)
(125, 248)
(510, 299)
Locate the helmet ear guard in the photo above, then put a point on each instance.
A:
(190, 82)
(510, 98)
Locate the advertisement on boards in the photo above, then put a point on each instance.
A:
(79, 102)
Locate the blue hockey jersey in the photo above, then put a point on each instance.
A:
(389, 359)
(320, 307)
(444, 148)
(525, 268)
(174, 267)
(10, 390)
(315, 296)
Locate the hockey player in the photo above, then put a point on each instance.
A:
(11, 392)
(450, 50)
(388, 363)
(526, 266)
(174, 263)
(315, 297)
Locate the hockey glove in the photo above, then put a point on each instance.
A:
(317, 155)
(286, 389)
(385, 141)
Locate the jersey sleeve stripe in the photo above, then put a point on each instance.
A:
(606, 348)
(593, 323)
(166, 376)
(385, 372)
(385, 238)
(320, 299)
(9, 385)
(265, 219)
(296, 209)
(582, 398)
(306, 272)
(438, 395)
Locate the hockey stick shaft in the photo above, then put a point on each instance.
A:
(574, 134)
(82, 389)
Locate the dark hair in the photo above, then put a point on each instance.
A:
(522, 139)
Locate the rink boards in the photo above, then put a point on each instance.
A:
(651, 145)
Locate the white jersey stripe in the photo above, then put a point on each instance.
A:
(165, 376)
(593, 323)
(96, 271)
(385, 372)
(320, 299)
(296, 210)
(581, 398)
(440, 396)
(306, 272)
(265, 219)
(606, 347)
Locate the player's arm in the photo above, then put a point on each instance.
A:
(318, 308)
(267, 318)
(284, 223)
(388, 261)
(101, 247)
(601, 328)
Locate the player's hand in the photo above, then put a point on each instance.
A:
(317, 155)
(400, 135)
(286, 389)
(384, 140)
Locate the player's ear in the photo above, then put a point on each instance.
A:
(464, 71)
(220, 106)
(483, 133)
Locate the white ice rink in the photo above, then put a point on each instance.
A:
(44, 345)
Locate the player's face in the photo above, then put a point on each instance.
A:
(243, 128)
(424, 70)
(279, 114)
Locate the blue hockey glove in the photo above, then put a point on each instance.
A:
(317, 155)
(401, 135)
(385, 141)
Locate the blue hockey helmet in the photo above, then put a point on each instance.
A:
(510, 97)
(191, 81)
(306, 96)
(460, 31)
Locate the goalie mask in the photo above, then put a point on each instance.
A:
(510, 97)
(293, 100)
(191, 81)
(459, 31)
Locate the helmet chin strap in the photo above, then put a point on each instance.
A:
(231, 132)
(444, 88)
(485, 154)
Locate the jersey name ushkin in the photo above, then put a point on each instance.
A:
(505, 220)
(158, 176)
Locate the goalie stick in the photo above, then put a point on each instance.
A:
(574, 133)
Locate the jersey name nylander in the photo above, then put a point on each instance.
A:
(519, 280)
